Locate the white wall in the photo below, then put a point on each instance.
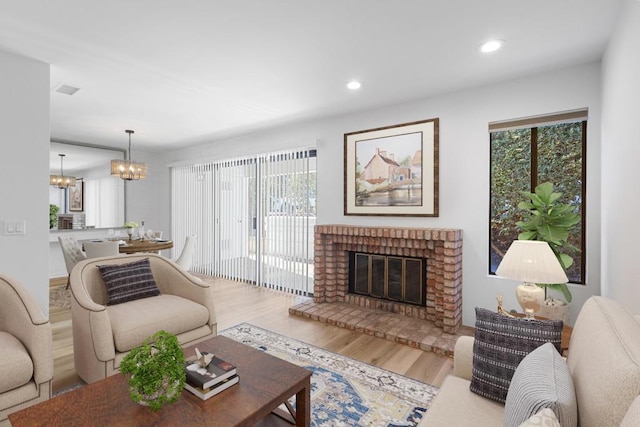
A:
(24, 170)
(620, 160)
(148, 200)
(464, 165)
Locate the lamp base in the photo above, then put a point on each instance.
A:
(530, 297)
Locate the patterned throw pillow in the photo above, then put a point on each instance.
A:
(128, 282)
(501, 342)
(542, 380)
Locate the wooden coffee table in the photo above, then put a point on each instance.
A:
(265, 383)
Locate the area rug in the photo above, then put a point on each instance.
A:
(344, 392)
(60, 297)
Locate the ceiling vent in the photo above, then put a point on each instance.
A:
(66, 89)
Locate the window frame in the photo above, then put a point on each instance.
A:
(533, 123)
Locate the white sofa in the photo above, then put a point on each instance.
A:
(603, 360)
(103, 334)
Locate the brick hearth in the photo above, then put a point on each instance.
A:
(441, 247)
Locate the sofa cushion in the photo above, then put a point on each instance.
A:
(544, 418)
(128, 282)
(501, 342)
(136, 320)
(541, 380)
(454, 405)
(604, 361)
(16, 368)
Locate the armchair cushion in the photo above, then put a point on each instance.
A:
(501, 342)
(128, 282)
(133, 322)
(16, 368)
(542, 380)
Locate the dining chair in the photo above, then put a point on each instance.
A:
(98, 249)
(72, 252)
(186, 256)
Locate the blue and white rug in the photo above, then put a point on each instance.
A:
(344, 392)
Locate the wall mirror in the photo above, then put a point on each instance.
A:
(98, 199)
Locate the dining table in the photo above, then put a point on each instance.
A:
(148, 245)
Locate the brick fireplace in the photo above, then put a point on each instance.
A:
(442, 248)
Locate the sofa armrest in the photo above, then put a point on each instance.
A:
(463, 357)
(24, 319)
(93, 327)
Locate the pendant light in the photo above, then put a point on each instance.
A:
(127, 169)
(62, 181)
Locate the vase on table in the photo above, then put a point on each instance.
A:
(130, 232)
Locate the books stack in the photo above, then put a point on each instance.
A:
(220, 376)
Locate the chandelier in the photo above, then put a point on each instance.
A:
(62, 181)
(127, 169)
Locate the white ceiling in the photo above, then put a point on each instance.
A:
(189, 71)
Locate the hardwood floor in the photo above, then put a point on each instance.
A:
(240, 302)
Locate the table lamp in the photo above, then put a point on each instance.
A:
(531, 261)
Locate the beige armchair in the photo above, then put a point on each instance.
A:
(26, 350)
(103, 334)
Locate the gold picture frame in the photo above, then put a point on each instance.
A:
(392, 170)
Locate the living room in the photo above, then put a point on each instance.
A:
(606, 85)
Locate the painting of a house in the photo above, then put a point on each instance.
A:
(381, 168)
(392, 171)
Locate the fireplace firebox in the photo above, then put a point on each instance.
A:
(392, 278)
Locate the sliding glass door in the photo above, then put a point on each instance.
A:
(253, 218)
(287, 218)
(234, 257)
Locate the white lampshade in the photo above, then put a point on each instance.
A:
(531, 261)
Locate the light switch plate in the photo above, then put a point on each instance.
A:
(14, 227)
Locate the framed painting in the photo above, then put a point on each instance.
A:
(76, 196)
(392, 170)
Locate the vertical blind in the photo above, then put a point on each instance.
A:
(253, 217)
(103, 202)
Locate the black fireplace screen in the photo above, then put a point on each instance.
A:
(389, 277)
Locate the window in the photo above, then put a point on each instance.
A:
(528, 152)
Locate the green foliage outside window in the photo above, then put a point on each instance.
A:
(520, 160)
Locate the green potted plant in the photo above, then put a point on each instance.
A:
(53, 215)
(130, 226)
(546, 218)
(156, 370)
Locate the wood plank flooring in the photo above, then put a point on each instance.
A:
(240, 302)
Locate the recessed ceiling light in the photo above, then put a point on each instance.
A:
(354, 85)
(491, 46)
